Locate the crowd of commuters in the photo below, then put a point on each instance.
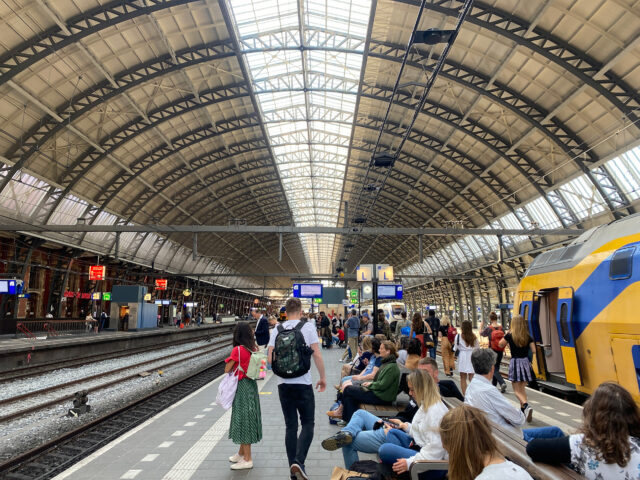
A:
(397, 361)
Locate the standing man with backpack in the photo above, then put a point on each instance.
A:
(434, 323)
(291, 346)
(495, 333)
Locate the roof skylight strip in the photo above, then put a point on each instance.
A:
(306, 79)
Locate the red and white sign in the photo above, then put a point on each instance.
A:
(161, 283)
(97, 272)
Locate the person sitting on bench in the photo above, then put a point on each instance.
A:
(467, 436)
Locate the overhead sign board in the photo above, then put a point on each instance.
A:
(393, 292)
(384, 273)
(354, 295)
(97, 272)
(317, 300)
(147, 297)
(161, 283)
(307, 290)
(8, 287)
(364, 273)
(106, 296)
(186, 292)
(96, 296)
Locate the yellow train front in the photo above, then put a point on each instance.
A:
(582, 305)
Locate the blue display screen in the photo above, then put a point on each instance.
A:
(307, 290)
(8, 286)
(393, 292)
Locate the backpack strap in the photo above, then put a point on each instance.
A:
(300, 325)
(280, 328)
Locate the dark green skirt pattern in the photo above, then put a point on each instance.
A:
(246, 419)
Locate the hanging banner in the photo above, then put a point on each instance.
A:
(97, 272)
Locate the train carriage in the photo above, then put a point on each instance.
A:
(582, 305)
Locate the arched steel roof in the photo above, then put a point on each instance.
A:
(268, 111)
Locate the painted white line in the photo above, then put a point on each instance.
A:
(199, 416)
(117, 441)
(547, 407)
(178, 433)
(150, 457)
(131, 474)
(187, 466)
(214, 404)
(533, 401)
(547, 420)
(207, 409)
(562, 414)
(577, 420)
(165, 444)
(190, 424)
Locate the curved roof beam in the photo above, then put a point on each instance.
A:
(85, 101)
(500, 95)
(76, 28)
(574, 61)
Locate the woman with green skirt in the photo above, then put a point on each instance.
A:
(246, 419)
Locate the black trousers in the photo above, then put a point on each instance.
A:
(353, 396)
(497, 378)
(297, 400)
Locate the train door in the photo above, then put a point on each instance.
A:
(567, 337)
(549, 338)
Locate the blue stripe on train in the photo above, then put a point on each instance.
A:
(598, 291)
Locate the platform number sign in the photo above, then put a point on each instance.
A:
(97, 272)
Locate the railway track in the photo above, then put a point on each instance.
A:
(29, 371)
(94, 383)
(60, 453)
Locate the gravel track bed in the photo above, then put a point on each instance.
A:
(21, 386)
(38, 399)
(39, 427)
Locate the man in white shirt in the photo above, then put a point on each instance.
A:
(484, 396)
(296, 394)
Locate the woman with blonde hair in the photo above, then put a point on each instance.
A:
(446, 348)
(465, 343)
(520, 344)
(422, 431)
(473, 454)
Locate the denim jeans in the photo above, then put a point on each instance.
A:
(297, 399)
(365, 439)
(432, 350)
(397, 446)
(529, 434)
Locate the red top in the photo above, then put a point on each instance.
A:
(245, 356)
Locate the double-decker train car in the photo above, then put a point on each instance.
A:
(582, 305)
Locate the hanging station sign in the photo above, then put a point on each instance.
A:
(97, 272)
(186, 292)
(106, 296)
(161, 283)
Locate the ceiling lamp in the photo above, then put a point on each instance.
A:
(432, 36)
(383, 159)
(359, 220)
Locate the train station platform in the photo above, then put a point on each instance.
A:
(20, 353)
(190, 440)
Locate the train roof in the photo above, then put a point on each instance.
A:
(571, 254)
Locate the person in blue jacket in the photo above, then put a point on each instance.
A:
(262, 328)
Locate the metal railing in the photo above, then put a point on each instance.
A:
(52, 327)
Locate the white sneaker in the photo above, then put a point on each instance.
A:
(528, 413)
(242, 465)
(236, 458)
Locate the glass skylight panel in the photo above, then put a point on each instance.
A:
(582, 197)
(307, 98)
(626, 171)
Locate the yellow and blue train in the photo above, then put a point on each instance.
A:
(582, 305)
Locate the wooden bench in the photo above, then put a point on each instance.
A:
(382, 410)
(513, 447)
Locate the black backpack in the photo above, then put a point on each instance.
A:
(291, 354)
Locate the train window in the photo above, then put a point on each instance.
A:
(621, 264)
(564, 323)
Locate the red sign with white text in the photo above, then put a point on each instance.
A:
(97, 272)
(161, 283)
